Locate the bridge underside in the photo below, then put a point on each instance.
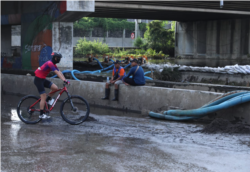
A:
(172, 10)
(162, 14)
(47, 26)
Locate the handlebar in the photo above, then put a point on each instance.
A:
(64, 84)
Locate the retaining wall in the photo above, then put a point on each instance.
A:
(130, 98)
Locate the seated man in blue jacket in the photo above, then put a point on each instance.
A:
(138, 75)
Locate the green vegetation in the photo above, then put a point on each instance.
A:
(84, 47)
(139, 42)
(157, 41)
(108, 24)
(159, 38)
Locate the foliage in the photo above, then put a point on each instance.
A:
(138, 42)
(91, 47)
(169, 74)
(159, 38)
(108, 24)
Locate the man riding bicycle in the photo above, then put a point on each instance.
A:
(40, 80)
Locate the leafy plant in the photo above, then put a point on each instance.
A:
(159, 38)
(95, 47)
(138, 42)
(108, 24)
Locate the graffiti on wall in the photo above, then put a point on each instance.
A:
(36, 43)
(10, 19)
(11, 62)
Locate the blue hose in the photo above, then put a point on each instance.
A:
(97, 71)
(224, 99)
(223, 103)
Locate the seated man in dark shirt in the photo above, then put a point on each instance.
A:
(138, 75)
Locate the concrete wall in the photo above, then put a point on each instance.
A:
(62, 37)
(6, 40)
(216, 78)
(130, 98)
(112, 42)
(82, 6)
(222, 39)
(16, 35)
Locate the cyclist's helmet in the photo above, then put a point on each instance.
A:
(56, 57)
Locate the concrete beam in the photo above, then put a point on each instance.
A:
(76, 10)
(81, 6)
(168, 8)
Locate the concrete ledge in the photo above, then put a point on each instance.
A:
(130, 98)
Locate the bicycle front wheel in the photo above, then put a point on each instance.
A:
(75, 110)
(28, 111)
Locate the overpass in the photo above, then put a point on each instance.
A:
(205, 29)
(172, 10)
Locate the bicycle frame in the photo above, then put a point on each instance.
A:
(62, 90)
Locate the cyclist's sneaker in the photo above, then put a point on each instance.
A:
(44, 116)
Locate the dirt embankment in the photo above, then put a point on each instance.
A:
(224, 126)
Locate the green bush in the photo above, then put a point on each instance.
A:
(138, 42)
(159, 38)
(84, 47)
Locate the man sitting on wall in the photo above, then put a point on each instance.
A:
(127, 60)
(138, 75)
(117, 76)
(106, 59)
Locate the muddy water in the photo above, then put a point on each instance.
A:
(116, 141)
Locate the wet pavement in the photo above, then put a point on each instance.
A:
(116, 141)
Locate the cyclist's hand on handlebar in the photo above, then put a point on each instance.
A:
(66, 82)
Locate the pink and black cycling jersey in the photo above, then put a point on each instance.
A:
(45, 69)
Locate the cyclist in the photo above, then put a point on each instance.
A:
(40, 80)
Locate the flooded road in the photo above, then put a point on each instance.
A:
(116, 141)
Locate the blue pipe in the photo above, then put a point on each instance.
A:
(224, 99)
(98, 62)
(223, 103)
(97, 71)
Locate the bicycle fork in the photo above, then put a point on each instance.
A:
(73, 108)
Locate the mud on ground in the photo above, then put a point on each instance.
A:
(219, 125)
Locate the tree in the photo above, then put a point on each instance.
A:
(159, 38)
(108, 24)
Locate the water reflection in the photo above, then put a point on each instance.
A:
(15, 127)
(13, 115)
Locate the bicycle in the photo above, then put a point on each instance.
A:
(74, 109)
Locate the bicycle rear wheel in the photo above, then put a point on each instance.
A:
(29, 115)
(78, 113)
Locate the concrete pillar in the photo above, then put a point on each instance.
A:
(236, 39)
(136, 28)
(248, 41)
(123, 37)
(225, 39)
(62, 41)
(195, 39)
(6, 40)
(211, 39)
(201, 39)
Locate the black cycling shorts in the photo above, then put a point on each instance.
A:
(41, 83)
